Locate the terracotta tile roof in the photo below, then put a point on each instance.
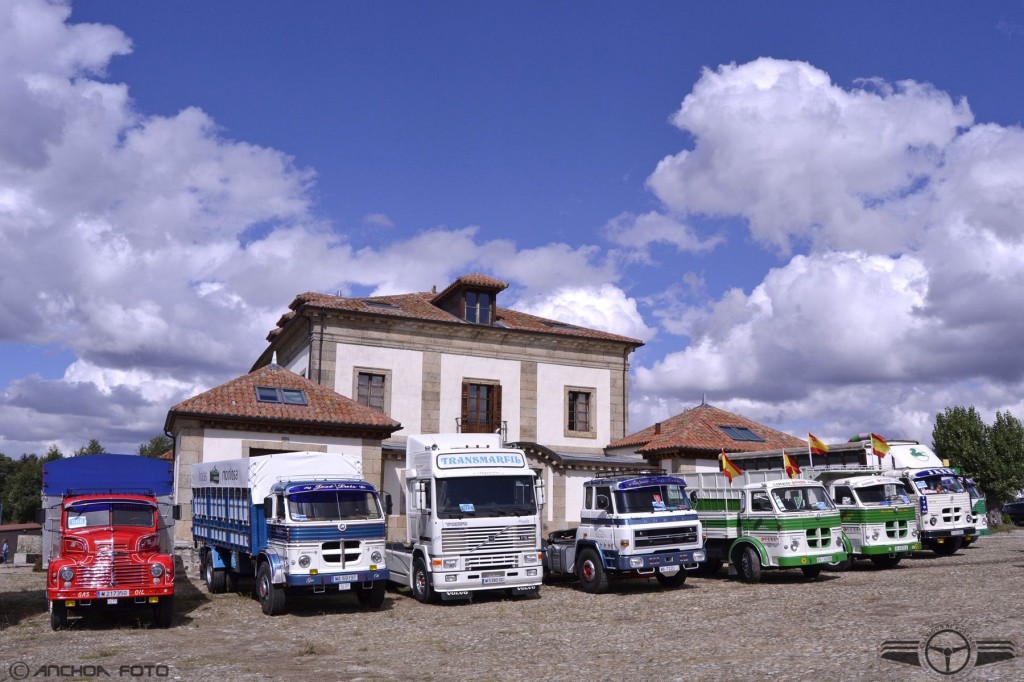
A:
(236, 400)
(475, 280)
(697, 431)
(421, 306)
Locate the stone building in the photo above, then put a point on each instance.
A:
(455, 361)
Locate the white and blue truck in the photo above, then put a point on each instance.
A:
(472, 513)
(298, 521)
(630, 527)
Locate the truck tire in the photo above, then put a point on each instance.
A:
(748, 564)
(421, 587)
(947, 548)
(58, 615)
(271, 596)
(671, 581)
(214, 577)
(372, 598)
(591, 573)
(885, 561)
(163, 611)
(811, 571)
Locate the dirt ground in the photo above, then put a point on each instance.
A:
(831, 628)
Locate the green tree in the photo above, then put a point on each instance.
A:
(93, 447)
(6, 471)
(992, 456)
(156, 446)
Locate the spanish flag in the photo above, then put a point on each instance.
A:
(815, 445)
(730, 470)
(879, 446)
(792, 470)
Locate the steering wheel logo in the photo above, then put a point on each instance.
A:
(949, 650)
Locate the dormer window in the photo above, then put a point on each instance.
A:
(479, 305)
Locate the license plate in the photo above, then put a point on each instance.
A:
(492, 574)
(345, 578)
(111, 601)
(112, 593)
(493, 581)
(824, 560)
(957, 532)
(902, 548)
(344, 586)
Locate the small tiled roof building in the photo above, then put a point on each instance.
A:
(270, 410)
(691, 441)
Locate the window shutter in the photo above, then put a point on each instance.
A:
(495, 417)
(465, 403)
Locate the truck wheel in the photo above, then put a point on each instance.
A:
(811, 571)
(214, 576)
(372, 598)
(421, 588)
(885, 561)
(163, 611)
(231, 581)
(748, 564)
(671, 581)
(271, 596)
(947, 548)
(58, 615)
(591, 573)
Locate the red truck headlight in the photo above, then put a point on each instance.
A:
(67, 574)
(156, 570)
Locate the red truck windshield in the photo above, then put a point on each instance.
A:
(106, 514)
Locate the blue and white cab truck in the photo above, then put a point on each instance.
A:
(472, 519)
(630, 527)
(298, 521)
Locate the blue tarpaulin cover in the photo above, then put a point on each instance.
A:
(108, 473)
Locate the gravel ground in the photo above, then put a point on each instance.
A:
(786, 628)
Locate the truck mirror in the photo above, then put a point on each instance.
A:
(603, 502)
(41, 516)
(268, 507)
(176, 512)
(694, 497)
(388, 505)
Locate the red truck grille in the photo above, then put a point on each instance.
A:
(110, 571)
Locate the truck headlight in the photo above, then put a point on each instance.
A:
(874, 534)
(636, 562)
(933, 520)
(795, 545)
(304, 561)
(67, 574)
(376, 557)
(450, 564)
(530, 558)
(156, 570)
(699, 556)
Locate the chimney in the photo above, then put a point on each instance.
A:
(657, 428)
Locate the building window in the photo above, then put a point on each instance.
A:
(288, 396)
(372, 387)
(478, 307)
(370, 391)
(580, 412)
(481, 408)
(741, 433)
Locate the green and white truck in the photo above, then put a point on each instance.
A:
(765, 520)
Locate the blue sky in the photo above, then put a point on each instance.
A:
(826, 236)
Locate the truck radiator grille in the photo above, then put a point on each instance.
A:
(473, 563)
(819, 538)
(107, 571)
(951, 514)
(489, 539)
(895, 530)
(335, 553)
(659, 537)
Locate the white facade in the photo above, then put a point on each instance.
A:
(404, 369)
(456, 369)
(552, 411)
(222, 444)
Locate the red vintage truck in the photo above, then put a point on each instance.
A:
(107, 536)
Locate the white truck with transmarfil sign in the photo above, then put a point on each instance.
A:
(472, 519)
(630, 527)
